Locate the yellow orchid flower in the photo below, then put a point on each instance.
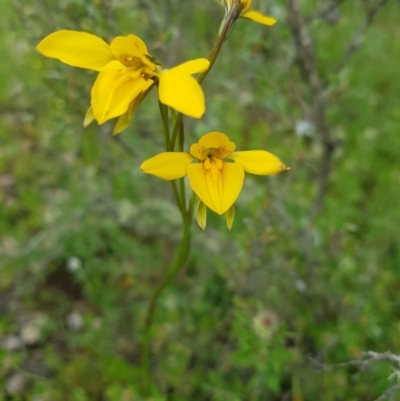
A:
(217, 177)
(242, 10)
(126, 73)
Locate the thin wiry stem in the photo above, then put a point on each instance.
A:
(180, 257)
(308, 67)
(182, 251)
(165, 123)
(212, 57)
(356, 40)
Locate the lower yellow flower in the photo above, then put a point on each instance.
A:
(242, 10)
(126, 73)
(217, 177)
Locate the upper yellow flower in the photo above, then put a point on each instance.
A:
(217, 178)
(126, 72)
(242, 10)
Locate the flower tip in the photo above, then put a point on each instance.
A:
(89, 117)
(272, 21)
(201, 215)
(230, 217)
(194, 112)
(283, 168)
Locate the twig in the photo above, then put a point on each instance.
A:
(387, 394)
(376, 356)
(124, 146)
(367, 358)
(308, 67)
(355, 41)
(325, 12)
(361, 364)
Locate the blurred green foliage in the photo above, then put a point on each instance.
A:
(257, 313)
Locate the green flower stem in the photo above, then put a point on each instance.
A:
(180, 257)
(192, 202)
(177, 125)
(181, 142)
(212, 57)
(178, 198)
(182, 251)
(165, 123)
(182, 192)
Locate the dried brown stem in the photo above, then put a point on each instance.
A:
(325, 12)
(124, 146)
(389, 393)
(307, 64)
(367, 358)
(356, 40)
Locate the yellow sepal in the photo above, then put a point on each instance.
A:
(168, 165)
(259, 162)
(78, 49)
(181, 92)
(259, 18)
(193, 66)
(230, 216)
(113, 91)
(89, 117)
(201, 215)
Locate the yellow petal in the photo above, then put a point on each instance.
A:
(230, 217)
(215, 140)
(215, 144)
(168, 165)
(246, 5)
(124, 120)
(201, 215)
(130, 44)
(260, 18)
(113, 91)
(114, 65)
(181, 92)
(89, 117)
(259, 162)
(79, 49)
(193, 66)
(217, 188)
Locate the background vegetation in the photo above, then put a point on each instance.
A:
(286, 306)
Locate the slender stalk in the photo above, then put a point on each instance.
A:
(180, 257)
(165, 123)
(181, 143)
(212, 57)
(182, 251)
(178, 122)
(178, 199)
(192, 202)
(182, 191)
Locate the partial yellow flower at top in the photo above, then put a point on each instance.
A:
(126, 72)
(242, 10)
(217, 174)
